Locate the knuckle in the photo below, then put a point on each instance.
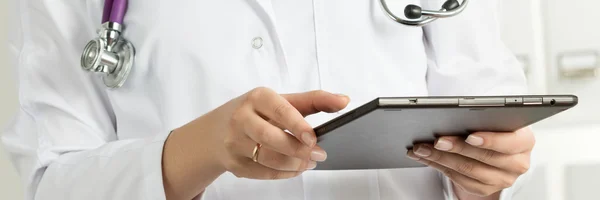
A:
(507, 182)
(487, 156)
(318, 93)
(281, 109)
(297, 151)
(257, 93)
(465, 167)
(426, 162)
(489, 181)
(229, 143)
(481, 191)
(297, 125)
(237, 117)
(233, 166)
(274, 175)
(435, 156)
(522, 167)
(489, 192)
(278, 161)
(262, 135)
(301, 167)
(448, 173)
(459, 149)
(300, 151)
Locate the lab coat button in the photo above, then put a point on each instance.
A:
(257, 42)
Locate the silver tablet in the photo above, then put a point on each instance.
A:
(377, 135)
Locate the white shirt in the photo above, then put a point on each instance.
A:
(75, 139)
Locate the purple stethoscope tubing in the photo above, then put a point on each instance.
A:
(114, 11)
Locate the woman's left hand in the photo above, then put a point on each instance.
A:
(483, 164)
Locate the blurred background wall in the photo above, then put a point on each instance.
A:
(10, 185)
(560, 53)
(557, 50)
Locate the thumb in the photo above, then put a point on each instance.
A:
(309, 103)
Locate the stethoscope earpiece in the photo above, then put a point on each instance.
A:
(416, 12)
(413, 12)
(451, 5)
(417, 16)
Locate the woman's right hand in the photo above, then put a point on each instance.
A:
(260, 117)
(225, 138)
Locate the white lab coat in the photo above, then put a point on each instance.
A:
(75, 139)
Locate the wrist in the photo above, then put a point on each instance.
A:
(197, 150)
(190, 162)
(463, 195)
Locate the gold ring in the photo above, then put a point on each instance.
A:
(255, 152)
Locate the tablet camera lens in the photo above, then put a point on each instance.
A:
(552, 102)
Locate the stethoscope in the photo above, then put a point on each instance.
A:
(112, 56)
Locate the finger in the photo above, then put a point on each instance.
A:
(273, 159)
(509, 143)
(517, 163)
(470, 185)
(278, 161)
(317, 101)
(262, 132)
(246, 168)
(466, 166)
(274, 107)
(278, 125)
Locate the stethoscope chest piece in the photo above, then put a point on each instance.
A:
(109, 55)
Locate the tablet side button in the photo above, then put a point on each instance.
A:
(487, 102)
(438, 101)
(532, 101)
(514, 101)
(393, 102)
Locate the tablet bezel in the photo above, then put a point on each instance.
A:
(444, 101)
(378, 133)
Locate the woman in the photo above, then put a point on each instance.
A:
(212, 79)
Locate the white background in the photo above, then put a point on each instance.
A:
(538, 30)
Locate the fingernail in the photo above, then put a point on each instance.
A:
(308, 139)
(344, 96)
(423, 151)
(311, 165)
(318, 155)
(409, 155)
(474, 140)
(443, 145)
